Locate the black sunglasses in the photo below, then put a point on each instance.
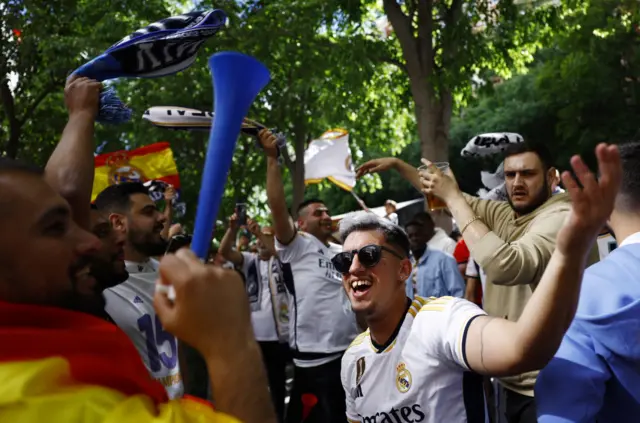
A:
(369, 256)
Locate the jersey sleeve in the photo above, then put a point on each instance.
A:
(294, 250)
(346, 370)
(442, 326)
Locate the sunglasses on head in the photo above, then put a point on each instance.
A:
(369, 256)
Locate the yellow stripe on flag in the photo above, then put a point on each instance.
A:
(44, 390)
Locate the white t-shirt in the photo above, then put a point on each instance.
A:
(321, 320)
(420, 376)
(130, 305)
(441, 241)
(264, 326)
(472, 272)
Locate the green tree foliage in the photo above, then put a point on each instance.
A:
(441, 46)
(40, 44)
(582, 89)
(324, 75)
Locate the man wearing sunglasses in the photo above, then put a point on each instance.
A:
(321, 322)
(420, 361)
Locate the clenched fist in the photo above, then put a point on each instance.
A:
(82, 95)
(210, 310)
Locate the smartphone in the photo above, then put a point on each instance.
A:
(241, 213)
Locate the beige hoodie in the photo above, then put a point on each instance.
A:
(514, 256)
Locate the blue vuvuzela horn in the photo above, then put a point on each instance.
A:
(237, 80)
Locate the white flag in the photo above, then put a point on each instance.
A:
(329, 157)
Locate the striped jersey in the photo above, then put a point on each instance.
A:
(421, 374)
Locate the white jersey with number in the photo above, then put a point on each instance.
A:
(321, 320)
(421, 374)
(130, 305)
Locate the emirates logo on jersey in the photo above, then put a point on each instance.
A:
(403, 378)
(409, 414)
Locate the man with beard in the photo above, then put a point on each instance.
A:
(322, 322)
(512, 242)
(73, 367)
(416, 363)
(134, 214)
(107, 264)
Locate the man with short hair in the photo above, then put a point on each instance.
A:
(322, 324)
(435, 273)
(437, 237)
(266, 279)
(595, 375)
(46, 343)
(413, 362)
(512, 241)
(134, 214)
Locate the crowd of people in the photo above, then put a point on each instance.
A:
(389, 325)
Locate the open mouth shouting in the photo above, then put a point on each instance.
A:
(360, 288)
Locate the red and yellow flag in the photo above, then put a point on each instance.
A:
(151, 162)
(62, 366)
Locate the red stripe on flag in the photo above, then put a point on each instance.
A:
(158, 147)
(98, 352)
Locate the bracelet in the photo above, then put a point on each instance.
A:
(469, 223)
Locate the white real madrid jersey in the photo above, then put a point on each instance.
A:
(130, 305)
(320, 320)
(422, 374)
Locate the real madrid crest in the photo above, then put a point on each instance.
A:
(403, 378)
(120, 170)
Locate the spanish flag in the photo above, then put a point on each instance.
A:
(61, 366)
(151, 162)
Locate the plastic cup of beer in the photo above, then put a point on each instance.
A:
(434, 202)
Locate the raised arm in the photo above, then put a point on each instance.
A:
(282, 222)
(498, 347)
(169, 195)
(256, 231)
(226, 245)
(211, 312)
(408, 172)
(70, 168)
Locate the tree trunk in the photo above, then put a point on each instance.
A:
(433, 118)
(12, 144)
(433, 124)
(433, 103)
